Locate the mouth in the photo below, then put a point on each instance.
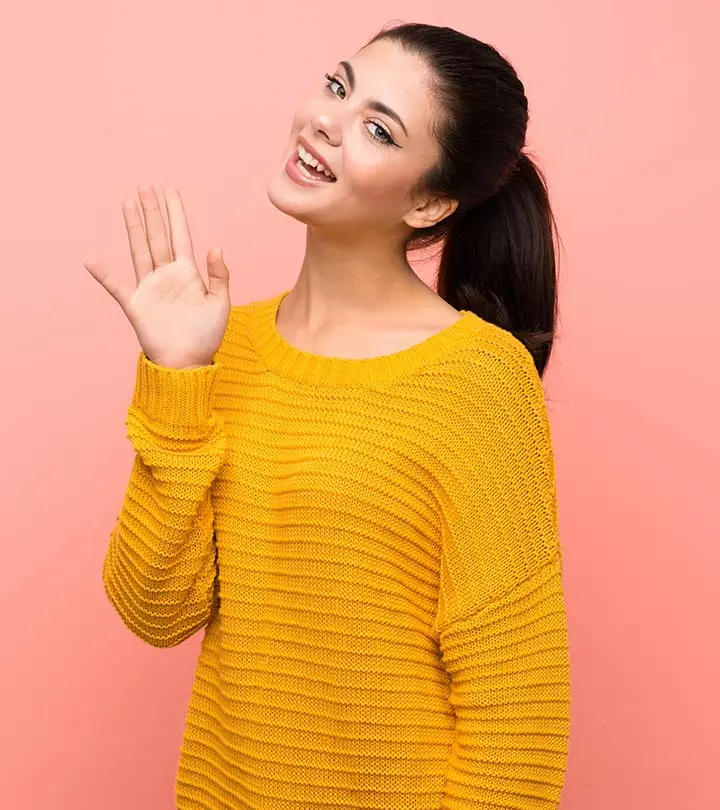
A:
(310, 165)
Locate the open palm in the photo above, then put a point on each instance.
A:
(179, 322)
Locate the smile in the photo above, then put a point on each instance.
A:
(311, 162)
(307, 174)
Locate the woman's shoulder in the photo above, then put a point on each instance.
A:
(241, 312)
(496, 360)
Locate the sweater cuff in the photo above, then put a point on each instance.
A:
(174, 397)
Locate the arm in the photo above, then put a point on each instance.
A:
(501, 619)
(160, 568)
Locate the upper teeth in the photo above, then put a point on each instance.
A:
(311, 161)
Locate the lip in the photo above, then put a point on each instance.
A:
(294, 173)
(315, 154)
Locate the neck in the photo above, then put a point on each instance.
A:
(347, 281)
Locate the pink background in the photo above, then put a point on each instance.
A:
(101, 96)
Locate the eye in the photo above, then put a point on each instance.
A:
(331, 80)
(385, 137)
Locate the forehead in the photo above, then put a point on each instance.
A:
(399, 79)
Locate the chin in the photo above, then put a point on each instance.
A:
(291, 201)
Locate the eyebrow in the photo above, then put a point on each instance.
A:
(373, 103)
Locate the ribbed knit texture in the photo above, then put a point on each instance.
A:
(372, 548)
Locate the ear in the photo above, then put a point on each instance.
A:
(430, 212)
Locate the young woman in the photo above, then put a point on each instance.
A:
(350, 485)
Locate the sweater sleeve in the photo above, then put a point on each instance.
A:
(501, 619)
(159, 571)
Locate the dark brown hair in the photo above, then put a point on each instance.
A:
(498, 251)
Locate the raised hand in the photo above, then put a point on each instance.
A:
(179, 322)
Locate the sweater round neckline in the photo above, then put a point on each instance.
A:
(282, 357)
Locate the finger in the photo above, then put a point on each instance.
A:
(157, 237)
(179, 228)
(218, 274)
(139, 249)
(120, 292)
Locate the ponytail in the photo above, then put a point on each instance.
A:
(498, 245)
(498, 261)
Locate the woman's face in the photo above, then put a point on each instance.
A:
(370, 126)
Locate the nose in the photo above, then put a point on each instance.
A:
(327, 127)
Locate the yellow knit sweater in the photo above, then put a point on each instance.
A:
(371, 546)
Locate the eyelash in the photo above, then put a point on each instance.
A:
(389, 142)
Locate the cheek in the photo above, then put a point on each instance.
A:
(375, 175)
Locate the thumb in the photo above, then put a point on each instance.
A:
(119, 291)
(218, 274)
